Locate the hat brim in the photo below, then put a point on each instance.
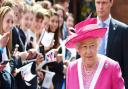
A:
(96, 33)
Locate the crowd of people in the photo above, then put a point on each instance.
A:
(40, 45)
(33, 35)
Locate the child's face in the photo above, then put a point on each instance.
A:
(37, 24)
(26, 21)
(17, 14)
(45, 23)
(61, 19)
(8, 21)
(70, 21)
(54, 23)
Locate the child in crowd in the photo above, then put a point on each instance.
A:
(36, 30)
(6, 24)
(45, 24)
(56, 66)
(20, 32)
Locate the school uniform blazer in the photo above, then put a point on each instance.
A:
(117, 46)
(16, 40)
(110, 76)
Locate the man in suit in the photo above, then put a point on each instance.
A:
(116, 38)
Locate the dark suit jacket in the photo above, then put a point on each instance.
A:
(59, 76)
(20, 84)
(6, 80)
(117, 46)
(16, 40)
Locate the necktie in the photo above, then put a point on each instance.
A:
(102, 48)
(103, 25)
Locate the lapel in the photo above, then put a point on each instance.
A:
(96, 75)
(81, 86)
(111, 34)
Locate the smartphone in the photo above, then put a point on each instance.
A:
(41, 50)
(4, 62)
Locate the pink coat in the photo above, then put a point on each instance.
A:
(110, 76)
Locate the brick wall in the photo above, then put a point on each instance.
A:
(120, 10)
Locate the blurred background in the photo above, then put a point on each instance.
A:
(82, 8)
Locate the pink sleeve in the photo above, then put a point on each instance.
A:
(117, 79)
(67, 77)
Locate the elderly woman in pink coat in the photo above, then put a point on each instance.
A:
(92, 70)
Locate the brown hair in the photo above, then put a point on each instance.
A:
(59, 7)
(8, 3)
(39, 15)
(45, 4)
(57, 32)
(38, 11)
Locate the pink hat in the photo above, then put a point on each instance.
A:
(85, 29)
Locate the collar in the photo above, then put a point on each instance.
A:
(107, 21)
(96, 75)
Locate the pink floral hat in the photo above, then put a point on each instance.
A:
(85, 29)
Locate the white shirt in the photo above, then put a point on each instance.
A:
(5, 58)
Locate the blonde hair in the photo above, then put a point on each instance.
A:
(3, 11)
(27, 8)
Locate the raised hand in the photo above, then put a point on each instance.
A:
(4, 39)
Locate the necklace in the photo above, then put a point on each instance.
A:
(88, 74)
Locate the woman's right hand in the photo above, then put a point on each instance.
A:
(4, 39)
